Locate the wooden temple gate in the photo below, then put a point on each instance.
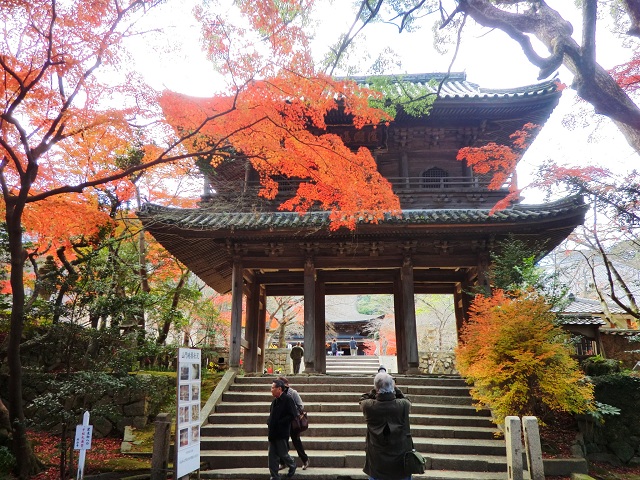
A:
(442, 243)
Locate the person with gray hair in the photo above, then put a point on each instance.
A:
(373, 392)
(388, 431)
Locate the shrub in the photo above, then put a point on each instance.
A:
(598, 365)
(518, 361)
(7, 462)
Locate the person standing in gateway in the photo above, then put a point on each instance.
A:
(296, 355)
(353, 347)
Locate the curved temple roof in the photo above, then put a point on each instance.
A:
(455, 85)
(212, 220)
(206, 240)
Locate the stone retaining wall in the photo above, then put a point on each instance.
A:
(276, 360)
(438, 363)
(138, 401)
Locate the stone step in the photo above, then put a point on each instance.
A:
(311, 407)
(359, 379)
(345, 370)
(328, 431)
(356, 444)
(448, 390)
(330, 418)
(337, 459)
(459, 441)
(368, 359)
(365, 380)
(322, 473)
(337, 394)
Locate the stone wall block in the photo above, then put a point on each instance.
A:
(141, 407)
(101, 427)
(122, 398)
(139, 421)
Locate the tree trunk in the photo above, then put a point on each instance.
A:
(27, 463)
(166, 325)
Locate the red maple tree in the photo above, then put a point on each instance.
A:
(65, 127)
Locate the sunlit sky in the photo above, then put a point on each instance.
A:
(489, 58)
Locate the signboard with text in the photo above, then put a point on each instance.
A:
(188, 415)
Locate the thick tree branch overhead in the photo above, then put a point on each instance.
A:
(527, 21)
(592, 82)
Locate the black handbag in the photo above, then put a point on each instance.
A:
(414, 462)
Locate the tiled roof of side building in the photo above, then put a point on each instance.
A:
(620, 332)
(579, 306)
(576, 320)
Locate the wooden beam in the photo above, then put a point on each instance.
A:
(384, 276)
(361, 262)
(361, 289)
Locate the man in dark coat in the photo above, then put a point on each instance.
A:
(296, 355)
(282, 411)
(388, 431)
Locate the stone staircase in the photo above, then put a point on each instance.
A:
(356, 364)
(458, 441)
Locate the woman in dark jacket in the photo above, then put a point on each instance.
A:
(388, 431)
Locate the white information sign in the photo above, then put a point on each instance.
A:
(188, 415)
(83, 437)
(83, 443)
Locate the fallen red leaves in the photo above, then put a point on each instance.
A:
(558, 435)
(47, 448)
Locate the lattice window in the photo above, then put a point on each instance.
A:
(586, 346)
(434, 178)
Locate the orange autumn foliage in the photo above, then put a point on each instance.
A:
(500, 161)
(70, 105)
(517, 360)
(268, 125)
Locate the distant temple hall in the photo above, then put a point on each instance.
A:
(442, 244)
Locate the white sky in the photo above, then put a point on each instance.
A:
(490, 59)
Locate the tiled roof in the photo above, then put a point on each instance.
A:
(583, 305)
(457, 86)
(210, 219)
(572, 320)
(620, 332)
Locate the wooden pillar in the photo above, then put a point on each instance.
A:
(309, 315)
(262, 328)
(398, 309)
(409, 310)
(483, 273)
(320, 328)
(458, 307)
(251, 329)
(236, 313)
